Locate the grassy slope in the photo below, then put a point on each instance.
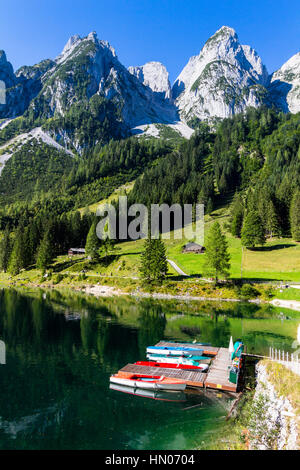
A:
(278, 260)
(121, 191)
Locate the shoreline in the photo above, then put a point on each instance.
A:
(107, 291)
(111, 291)
(292, 304)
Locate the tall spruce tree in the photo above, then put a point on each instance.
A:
(5, 250)
(154, 265)
(237, 215)
(295, 216)
(45, 252)
(217, 258)
(93, 243)
(17, 260)
(253, 232)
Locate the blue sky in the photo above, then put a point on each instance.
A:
(169, 31)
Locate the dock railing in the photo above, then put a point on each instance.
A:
(291, 361)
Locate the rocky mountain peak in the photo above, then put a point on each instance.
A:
(224, 34)
(6, 71)
(285, 85)
(222, 80)
(154, 75)
(3, 58)
(92, 37)
(69, 47)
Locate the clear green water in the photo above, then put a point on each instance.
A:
(62, 348)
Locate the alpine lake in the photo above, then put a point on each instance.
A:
(62, 347)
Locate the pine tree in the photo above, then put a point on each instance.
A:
(272, 223)
(295, 216)
(45, 252)
(217, 262)
(5, 250)
(237, 215)
(93, 243)
(154, 265)
(253, 230)
(17, 260)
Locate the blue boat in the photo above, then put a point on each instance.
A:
(192, 344)
(178, 359)
(174, 351)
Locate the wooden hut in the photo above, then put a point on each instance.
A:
(193, 247)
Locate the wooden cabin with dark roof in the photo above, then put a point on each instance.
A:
(193, 247)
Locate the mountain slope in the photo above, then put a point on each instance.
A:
(224, 79)
(85, 96)
(285, 86)
(155, 76)
(88, 67)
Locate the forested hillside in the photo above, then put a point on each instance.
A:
(255, 154)
(251, 160)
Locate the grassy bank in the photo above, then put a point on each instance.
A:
(278, 260)
(73, 277)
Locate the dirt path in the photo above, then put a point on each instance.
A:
(177, 269)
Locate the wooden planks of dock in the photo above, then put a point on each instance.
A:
(218, 374)
(216, 378)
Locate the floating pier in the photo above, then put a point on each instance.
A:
(217, 377)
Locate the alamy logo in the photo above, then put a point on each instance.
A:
(137, 221)
(2, 353)
(2, 92)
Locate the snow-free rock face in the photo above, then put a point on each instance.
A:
(285, 86)
(222, 80)
(88, 67)
(20, 87)
(155, 76)
(273, 424)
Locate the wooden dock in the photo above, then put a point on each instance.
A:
(218, 374)
(217, 377)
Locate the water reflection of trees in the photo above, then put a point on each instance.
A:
(53, 362)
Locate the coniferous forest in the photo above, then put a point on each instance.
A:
(252, 158)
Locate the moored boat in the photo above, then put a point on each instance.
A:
(174, 351)
(168, 365)
(192, 360)
(190, 344)
(149, 382)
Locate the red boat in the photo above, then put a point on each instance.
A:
(167, 365)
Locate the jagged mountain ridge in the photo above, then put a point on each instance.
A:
(285, 86)
(89, 66)
(224, 79)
